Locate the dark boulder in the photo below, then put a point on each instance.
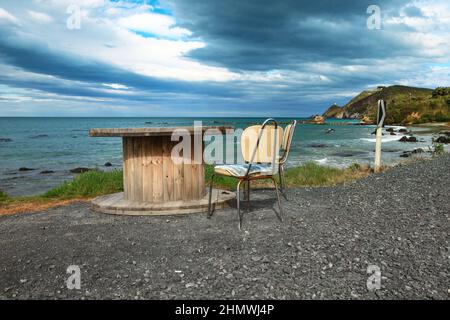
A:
(347, 154)
(5, 140)
(80, 170)
(393, 134)
(26, 169)
(445, 133)
(403, 130)
(47, 171)
(317, 145)
(389, 150)
(108, 164)
(443, 139)
(390, 130)
(407, 154)
(408, 139)
(404, 155)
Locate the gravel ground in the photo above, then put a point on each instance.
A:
(397, 221)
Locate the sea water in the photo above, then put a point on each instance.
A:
(61, 144)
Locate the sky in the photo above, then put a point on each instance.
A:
(213, 58)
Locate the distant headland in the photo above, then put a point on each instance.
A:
(406, 105)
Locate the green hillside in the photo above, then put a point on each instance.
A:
(334, 111)
(405, 105)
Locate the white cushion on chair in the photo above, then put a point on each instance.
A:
(240, 170)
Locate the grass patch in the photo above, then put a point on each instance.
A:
(220, 181)
(308, 175)
(314, 175)
(96, 183)
(88, 185)
(85, 186)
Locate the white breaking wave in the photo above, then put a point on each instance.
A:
(383, 139)
(396, 128)
(322, 161)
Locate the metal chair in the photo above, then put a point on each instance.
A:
(260, 146)
(285, 146)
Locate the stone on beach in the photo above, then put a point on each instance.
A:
(407, 154)
(80, 170)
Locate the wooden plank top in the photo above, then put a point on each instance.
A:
(147, 132)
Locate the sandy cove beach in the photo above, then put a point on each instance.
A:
(397, 220)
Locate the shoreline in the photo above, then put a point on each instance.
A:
(333, 150)
(96, 183)
(310, 175)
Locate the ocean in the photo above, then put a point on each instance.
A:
(61, 144)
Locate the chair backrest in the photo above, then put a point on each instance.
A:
(269, 144)
(287, 140)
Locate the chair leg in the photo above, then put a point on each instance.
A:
(238, 197)
(280, 176)
(248, 195)
(283, 182)
(210, 211)
(280, 214)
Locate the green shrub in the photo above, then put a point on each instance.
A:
(3, 196)
(441, 91)
(437, 149)
(355, 167)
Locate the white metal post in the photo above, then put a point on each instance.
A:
(378, 150)
(379, 133)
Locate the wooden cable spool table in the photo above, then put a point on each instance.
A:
(155, 184)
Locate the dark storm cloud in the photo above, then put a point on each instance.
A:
(265, 35)
(40, 59)
(288, 57)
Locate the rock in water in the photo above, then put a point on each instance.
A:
(25, 169)
(108, 164)
(407, 154)
(5, 140)
(404, 155)
(80, 170)
(408, 139)
(443, 139)
(47, 172)
(317, 145)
